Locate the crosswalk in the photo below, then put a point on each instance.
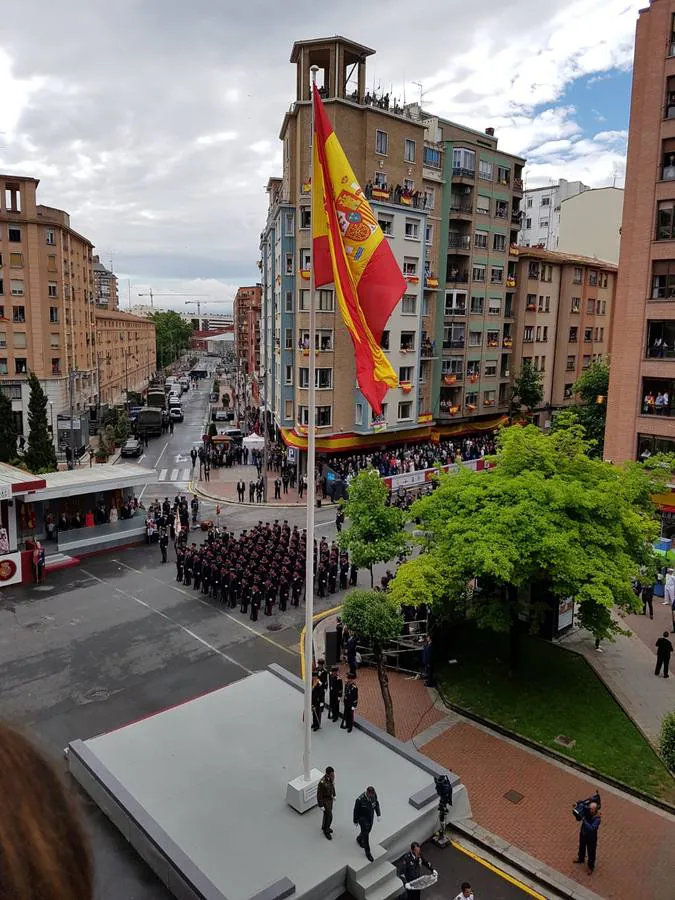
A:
(175, 476)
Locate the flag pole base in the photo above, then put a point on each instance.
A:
(301, 794)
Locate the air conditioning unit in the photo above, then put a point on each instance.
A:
(507, 374)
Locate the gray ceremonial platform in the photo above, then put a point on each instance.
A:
(200, 792)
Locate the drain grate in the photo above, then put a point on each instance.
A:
(513, 796)
(564, 741)
(274, 627)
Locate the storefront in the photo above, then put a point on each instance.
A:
(13, 484)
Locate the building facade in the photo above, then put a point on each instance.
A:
(126, 354)
(246, 313)
(541, 213)
(106, 292)
(448, 201)
(643, 356)
(590, 224)
(46, 303)
(564, 312)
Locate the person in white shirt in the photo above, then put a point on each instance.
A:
(465, 893)
(669, 597)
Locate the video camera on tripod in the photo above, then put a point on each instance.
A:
(444, 791)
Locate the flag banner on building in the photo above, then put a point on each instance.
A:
(350, 251)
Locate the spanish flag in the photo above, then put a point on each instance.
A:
(350, 250)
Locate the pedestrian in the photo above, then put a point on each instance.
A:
(647, 598)
(301, 487)
(664, 648)
(669, 591)
(465, 892)
(427, 652)
(164, 544)
(146, 438)
(351, 654)
(339, 520)
(322, 675)
(351, 701)
(410, 869)
(588, 835)
(277, 489)
(251, 491)
(325, 795)
(317, 701)
(193, 456)
(335, 689)
(365, 808)
(241, 490)
(170, 426)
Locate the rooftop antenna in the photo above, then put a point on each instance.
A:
(422, 91)
(615, 174)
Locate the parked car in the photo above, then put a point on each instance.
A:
(132, 447)
(222, 415)
(176, 414)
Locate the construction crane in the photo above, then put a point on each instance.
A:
(151, 294)
(199, 303)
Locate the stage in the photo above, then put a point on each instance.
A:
(199, 790)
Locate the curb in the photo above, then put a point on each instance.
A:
(663, 805)
(201, 493)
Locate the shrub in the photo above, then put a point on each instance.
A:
(667, 743)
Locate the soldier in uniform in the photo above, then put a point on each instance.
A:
(325, 795)
(318, 701)
(322, 675)
(196, 570)
(255, 602)
(335, 688)
(296, 589)
(283, 590)
(180, 558)
(187, 569)
(351, 700)
(164, 544)
(411, 868)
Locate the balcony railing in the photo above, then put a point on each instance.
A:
(455, 311)
(518, 184)
(454, 344)
(459, 172)
(459, 241)
(660, 351)
(454, 277)
(516, 217)
(461, 207)
(399, 195)
(427, 350)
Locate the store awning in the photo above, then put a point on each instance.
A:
(16, 481)
(91, 480)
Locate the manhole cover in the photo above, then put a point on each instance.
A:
(564, 741)
(96, 694)
(274, 627)
(514, 796)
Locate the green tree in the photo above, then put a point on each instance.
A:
(39, 456)
(121, 426)
(8, 435)
(528, 390)
(546, 521)
(172, 336)
(374, 617)
(590, 407)
(667, 740)
(376, 531)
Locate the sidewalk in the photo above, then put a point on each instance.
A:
(222, 485)
(636, 853)
(627, 668)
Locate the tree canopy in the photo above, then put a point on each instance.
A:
(546, 518)
(172, 335)
(8, 435)
(528, 388)
(590, 408)
(40, 455)
(376, 531)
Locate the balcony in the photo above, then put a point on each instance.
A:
(455, 276)
(657, 396)
(507, 343)
(455, 311)
(516, 217)
(459, 242)
(511, 282)
(427, 350)
(451, 378)
(460, 208)
(454, 344)
(668, 173)
(398, 195)
(430, 281)
(518, 185)
(459, 172)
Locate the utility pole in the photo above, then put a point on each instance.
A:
(71, 441)
(263, 309)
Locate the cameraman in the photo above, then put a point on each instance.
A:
(588, 834)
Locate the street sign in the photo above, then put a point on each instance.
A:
(291, 454)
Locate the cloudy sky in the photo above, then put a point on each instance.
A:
(155, 122)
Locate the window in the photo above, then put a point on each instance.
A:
(432, 158)
(288, 224)
(51, 264)
(663, 279)
(428, 233)
(576, 305)
(326, 301)
(545, 201)
(380, 418)
(405, 373)
(288, 409)
(358, 414)
(289, 264)
(593, 278)
(588, 335)
(380, 180)
(324, 339)
(571, 363)
(56, 365)
(478, 273)
(303, 415)
(485, 170)
(407, 340)
(546, 272)
(503, 175)
(590, 307)
(599, 335)
(601, 307)
(498, 242)
(288, 339)
(544, 304)
(496, 275)
(14, 234)
(429, 198)
(288, 374)
(20, 366)
(324, 416)
(542, 333)
(665, 222)
(288, 302)
(463, 162)
(19, 340)
(489, 398)
(501, 209)
(305, 217)
(384, 343)
(573, 335)
(18, 314)
(409, 151)
(54, 341)
(480, 240)
(586, 361)
(540, 363)
(494, 306)
(528, 223)
(3, 339)
(412, 229)
(381, 142)
(483, 205)
(490, 367)
(409, 266)
(569, 391)
(604, 279)
(529, 202)
(409, 305)
(305, 258)
(3, 366)
(52, 289)
(528, 334)
(16, 287)
(386, 223)
(477, 305)
(304, 300)
(533, 270)
(16, 260)
(475, 338)
(455, 303)
(492, 338)
(50, 237)
(405, 410)
(425, 305)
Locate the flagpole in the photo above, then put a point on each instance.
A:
(311, 484)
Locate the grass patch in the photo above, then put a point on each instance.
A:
(555, 693)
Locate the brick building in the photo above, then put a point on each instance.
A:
(246, 312)
(106, 292)
(126, 354)
(643, 357)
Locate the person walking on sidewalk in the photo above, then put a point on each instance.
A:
(669, 590)
(647, 600)
(588, 836)
(325, 795)
(365, 808)
(664, 648)
(351, 701)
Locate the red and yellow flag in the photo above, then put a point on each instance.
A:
(350, 250)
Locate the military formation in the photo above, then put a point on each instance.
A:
(261, 569)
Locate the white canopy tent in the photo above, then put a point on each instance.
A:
(254, 442)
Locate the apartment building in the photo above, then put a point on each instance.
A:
(46, 303)
(541, 212)
(643, 355)
(125, 354)
(590, 223)
(247, 312)
(563, 310)
(106, 293)
(448, 201)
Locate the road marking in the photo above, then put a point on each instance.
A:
(161, 454)
(185, 476)
(509, 878)
(174, 475)
(221, 612)
(141, 458)
(162, 474)
(168, 618)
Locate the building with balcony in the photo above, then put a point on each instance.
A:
(106, 293)
(126, 354)
(47, 306)
(434, 186)
(562, 320)
(246, 312)
(643, 362)
(541, 212)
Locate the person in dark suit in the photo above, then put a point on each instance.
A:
(664, 648)
(164, 544)
(325, 795)
(318, 701)
(365, 808)
(588, 835)
(351, 654)
(351, 699)
(335, 688)
(410, 868)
